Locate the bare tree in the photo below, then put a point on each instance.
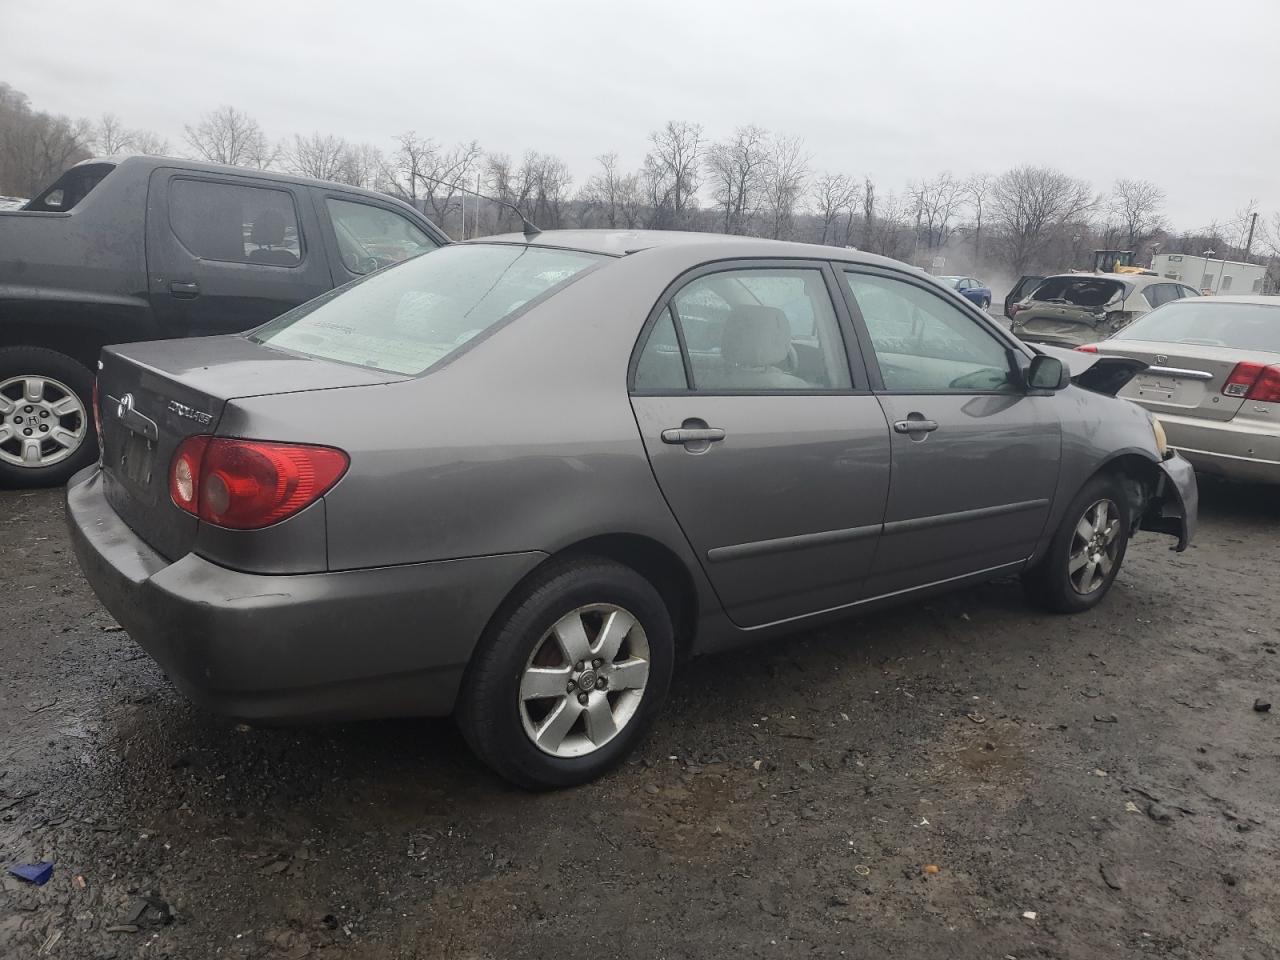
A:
(34, 146)
(833, 195)
(321, 156)
(736, 169)
(446, 175)
(1136, 204)
(671, 171)
(889, 234)
(1028, 204)
(498, 180)
(936, 203)
(784, 183)
(149, 143)
(110, 136)
(977, 188)
(611, 194)
(404, 171)
(868, 212)
(363, 167)
(226, 135)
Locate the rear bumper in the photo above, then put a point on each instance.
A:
(1237, 449)
(389, 641)
(1175, 508)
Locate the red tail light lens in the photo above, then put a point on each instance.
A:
(1240, 381)
(1088, 348)
(1267, 387)
(250, 484)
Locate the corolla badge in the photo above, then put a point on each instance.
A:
(190, 413)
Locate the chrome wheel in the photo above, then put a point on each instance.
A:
(584, 680)
(1095, 544)
(42, 421)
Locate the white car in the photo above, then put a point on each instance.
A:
(1069, 309)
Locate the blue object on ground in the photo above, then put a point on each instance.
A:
(37, 873)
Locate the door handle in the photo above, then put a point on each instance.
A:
(915, 426)
(692, 434)
(184, 290)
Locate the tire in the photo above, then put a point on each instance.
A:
(521, 655)
(68, 384)
(1061, 582)
(986, 305)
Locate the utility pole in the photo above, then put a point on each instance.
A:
(1248, 244)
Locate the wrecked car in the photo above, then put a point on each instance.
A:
(521, 480)
(1072, 309)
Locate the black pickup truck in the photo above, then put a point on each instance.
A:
(145, 248)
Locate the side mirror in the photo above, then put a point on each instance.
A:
(1047, 373)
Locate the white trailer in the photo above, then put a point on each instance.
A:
(1209, 274)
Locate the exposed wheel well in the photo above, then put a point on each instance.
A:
(78, 343)
(1138, 475)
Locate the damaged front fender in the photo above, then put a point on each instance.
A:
(1175, 504)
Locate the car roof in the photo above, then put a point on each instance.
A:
(620, 243)
(147, 161)
(1255, 298)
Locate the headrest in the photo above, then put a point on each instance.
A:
(755, 336)
(268, 228)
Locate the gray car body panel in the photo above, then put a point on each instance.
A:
(527, 442)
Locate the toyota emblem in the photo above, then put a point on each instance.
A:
(124, 406)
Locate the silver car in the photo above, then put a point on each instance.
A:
(521, 480)
(1213, 379)
(1077, 308)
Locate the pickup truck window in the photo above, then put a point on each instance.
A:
(234, 223)
(70, 188)
(370, 237)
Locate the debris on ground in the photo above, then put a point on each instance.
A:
(1110, 877)
(1028, 914)
(1159, 812)
(1105, 718)
(931, 868)
(1262, 705)
(37, 873)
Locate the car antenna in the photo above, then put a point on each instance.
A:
(530, 231)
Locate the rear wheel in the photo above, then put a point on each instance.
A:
(1087, 551)
(570, 677)
(46, 427)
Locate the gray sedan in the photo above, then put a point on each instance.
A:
(521, 480)
(1213, 379)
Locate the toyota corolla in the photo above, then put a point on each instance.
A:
(521, 480)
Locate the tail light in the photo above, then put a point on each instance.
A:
(1088, 348)
(1253, 381)
(250, 484)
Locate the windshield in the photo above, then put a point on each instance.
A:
(406, 318)
(1243, 326)
(1082, 291)
(951, 281)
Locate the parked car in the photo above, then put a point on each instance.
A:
(1213, 379)
(142, 248)
(1076, 308)
(1026, 283)
(520, 480)
(970, 289)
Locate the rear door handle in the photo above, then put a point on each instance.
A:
(692, 434)
(915, 426)
(184, 290)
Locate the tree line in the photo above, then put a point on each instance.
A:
(753, 182)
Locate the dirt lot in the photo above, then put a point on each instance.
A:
(1106, 773)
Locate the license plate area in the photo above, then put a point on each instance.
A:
(1171, 390)
(137, 458)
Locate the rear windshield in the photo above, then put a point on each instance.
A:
(70, 188)
(1081, 291)
(1242, 326)
(410, 316)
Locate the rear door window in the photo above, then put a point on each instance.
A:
(1158, 294)
(236, 223)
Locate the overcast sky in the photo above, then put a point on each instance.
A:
(1177, 92)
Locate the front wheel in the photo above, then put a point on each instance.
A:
(1086, 552)
(570, 676)
(46, 427)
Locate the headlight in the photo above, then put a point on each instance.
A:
(1157, 428)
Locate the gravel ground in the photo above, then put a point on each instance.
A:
(1096, 786)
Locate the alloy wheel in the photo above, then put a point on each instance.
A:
(42, 421)
(584, 680)
(1095, 544)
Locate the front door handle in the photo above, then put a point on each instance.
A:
(184, 290)
(692, 434)
(920, 425)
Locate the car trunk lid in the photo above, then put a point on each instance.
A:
(154, 395)
(1188, 382)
